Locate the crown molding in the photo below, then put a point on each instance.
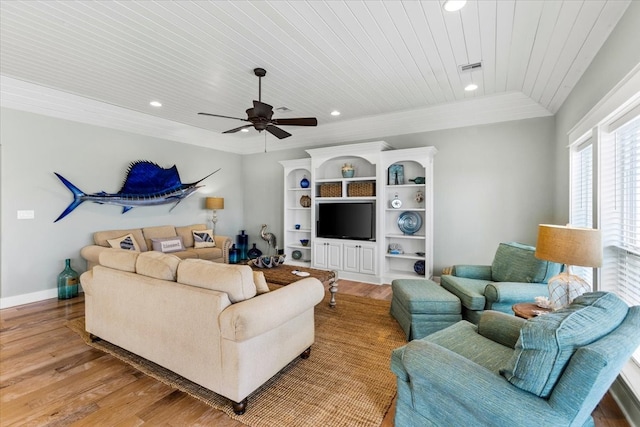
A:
(20, 95)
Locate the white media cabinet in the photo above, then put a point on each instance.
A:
(362, 260)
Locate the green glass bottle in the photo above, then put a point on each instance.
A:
(67, 282)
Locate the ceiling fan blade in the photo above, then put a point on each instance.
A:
(277, 132)
(261, 109)
(237, 129)
(224, 117)
(301, 121)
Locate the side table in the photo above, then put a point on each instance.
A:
(528, 310)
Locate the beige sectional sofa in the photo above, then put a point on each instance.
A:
(144, 240)
(206, 321)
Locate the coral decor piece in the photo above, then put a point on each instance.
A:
(146, 184)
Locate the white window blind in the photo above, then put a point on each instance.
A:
(620, 211)
(582, 176)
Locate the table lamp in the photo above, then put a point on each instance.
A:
(214, 203)
(569, 246)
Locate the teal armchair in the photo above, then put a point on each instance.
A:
(506, 371)
(515, 276)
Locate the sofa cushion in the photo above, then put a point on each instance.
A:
(234, 280)
(101, 238)
(260, 282)
(157, 265)
(126, 242)
(119, 259)
(547, 342)
(158, 232)
(186, 233)
(203, 239)
(168, 244)
(515, 262)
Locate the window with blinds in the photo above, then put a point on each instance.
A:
(620, 210)
(582, 196)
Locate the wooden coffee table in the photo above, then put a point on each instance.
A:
(282, 275)
(528, 310)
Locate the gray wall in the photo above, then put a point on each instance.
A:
(617, 57)
(94, 159)
(493, 183)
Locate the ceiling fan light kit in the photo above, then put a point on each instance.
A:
(260, 116)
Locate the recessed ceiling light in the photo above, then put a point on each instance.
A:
(471, 87)
(155, 104)
(244, 130)
(454, 5)
(335, 113)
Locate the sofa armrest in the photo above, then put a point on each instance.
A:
(514, 292)
(91, 254)
(482, 272)
(500, 327)
(446, 386)
(255, 316)
(224, 243)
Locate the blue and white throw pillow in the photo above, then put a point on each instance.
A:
(127, 242)
(203, 239)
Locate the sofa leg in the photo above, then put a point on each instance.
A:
(305, 354)
(94, 338)
(240, 407)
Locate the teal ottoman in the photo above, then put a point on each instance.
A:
(422, 307)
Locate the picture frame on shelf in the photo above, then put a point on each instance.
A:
(396, 174)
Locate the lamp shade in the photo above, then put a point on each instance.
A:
(214, 203)
(569, 245)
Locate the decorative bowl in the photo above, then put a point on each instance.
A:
(268, 261)
(304, 242)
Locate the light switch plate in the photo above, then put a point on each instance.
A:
(28, 214)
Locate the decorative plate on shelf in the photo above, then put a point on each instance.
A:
(296, 254)
(409, 222)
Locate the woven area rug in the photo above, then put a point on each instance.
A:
(346, 381)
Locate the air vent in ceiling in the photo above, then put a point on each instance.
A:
(470, 67)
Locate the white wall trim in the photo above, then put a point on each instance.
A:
(624, 394)
(625, 93)
(502, 107)
(28, 298)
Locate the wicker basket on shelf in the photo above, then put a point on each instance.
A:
(361, 189)
(331, 190)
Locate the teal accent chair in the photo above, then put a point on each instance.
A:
(515, 276)
(552, 370)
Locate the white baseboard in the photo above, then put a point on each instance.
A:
(624, 392)
(28, 298)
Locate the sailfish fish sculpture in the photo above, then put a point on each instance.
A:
(146, 184)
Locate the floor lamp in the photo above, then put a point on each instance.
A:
(213, 204)
(569, 246)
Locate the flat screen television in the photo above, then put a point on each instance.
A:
(354, 221)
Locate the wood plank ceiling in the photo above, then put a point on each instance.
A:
(369, 59)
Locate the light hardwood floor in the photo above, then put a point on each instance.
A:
(48, 376)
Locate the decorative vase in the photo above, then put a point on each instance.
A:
(348, 171)
(234, 255)
(304, 183)
(242, 241)
(254, 252)
(419, 267)
(305, 201)
(67, 282)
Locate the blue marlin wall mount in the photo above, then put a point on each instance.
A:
(146, 184)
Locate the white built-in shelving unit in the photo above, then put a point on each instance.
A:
(367, 261)
(295, 213)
